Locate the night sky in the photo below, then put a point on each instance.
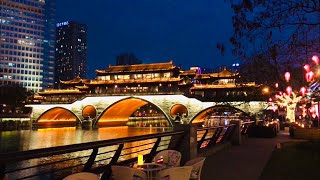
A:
(185, 31)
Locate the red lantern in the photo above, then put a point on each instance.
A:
(303, 91)
(306, 68)
(309, 76)
(315, 59)
(287, 76)
(289, 90)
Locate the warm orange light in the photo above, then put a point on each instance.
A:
(265, 90)
(140, 159)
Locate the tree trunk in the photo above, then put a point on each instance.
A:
(291, 112)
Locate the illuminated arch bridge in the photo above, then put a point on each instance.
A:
(120, 110)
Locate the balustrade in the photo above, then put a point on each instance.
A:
(99, 156)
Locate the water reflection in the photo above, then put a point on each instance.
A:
(41, 138)
(50, 137)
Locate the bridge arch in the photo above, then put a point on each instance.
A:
(198, 118)
(118, 113)
(58, 116)
(178, 109)
(89, 111)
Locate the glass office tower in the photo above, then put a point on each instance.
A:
(71, 51)
(23, 53)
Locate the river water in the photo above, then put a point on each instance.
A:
(23, 140)
(42, 138)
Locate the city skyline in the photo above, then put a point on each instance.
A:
(186, 33)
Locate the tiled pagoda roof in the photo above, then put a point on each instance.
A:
(139, 68)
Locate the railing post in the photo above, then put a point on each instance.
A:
(236, 137)
(89, 163)
(107, 173)
(188, 143)
(153, 151)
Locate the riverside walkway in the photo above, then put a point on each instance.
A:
(243, 162)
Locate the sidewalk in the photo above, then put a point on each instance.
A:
(243, 162)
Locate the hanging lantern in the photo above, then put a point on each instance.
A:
(276, 85)
(309, 76)
(270, 99)
(287, 76)
(306, 68)
(289, 90)
(315, 59)
(303, 91)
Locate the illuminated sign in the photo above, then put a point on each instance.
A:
(63, 23)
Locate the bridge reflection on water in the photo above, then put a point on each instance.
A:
(41, 138)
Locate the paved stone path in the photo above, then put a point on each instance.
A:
(243, 162)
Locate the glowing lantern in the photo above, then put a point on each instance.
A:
(303, 91)
(276, 85)
(315, 59)
(270, 99)
(140, 159)
(289, 90)
(309, 76)
(287, 76)
(306, 68)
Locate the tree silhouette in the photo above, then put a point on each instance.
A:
(284, 28)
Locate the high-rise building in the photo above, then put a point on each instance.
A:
(71, 51)
(127, 59)
(49, 43)
(23, 24)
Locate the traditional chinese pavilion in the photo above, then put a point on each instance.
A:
(155, 78)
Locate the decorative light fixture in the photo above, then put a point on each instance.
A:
(303, 91)
(306, 68)
(287, 76)
(289, 90)
(140, 159)
(315, 59)
(309, 76)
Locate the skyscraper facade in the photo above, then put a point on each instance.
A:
(71, 51)
(49, 43)
(23, 24)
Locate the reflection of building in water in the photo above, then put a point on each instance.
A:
(148, 116)
(221, 116)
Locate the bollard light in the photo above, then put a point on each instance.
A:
(140, 159)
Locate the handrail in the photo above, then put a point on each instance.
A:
(218, 134)
(44, 152)
(214, 127)
(248, 122)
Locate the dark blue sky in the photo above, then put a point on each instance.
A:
(185, 31)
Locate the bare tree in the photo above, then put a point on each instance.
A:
(285, 32)
(291, 26)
